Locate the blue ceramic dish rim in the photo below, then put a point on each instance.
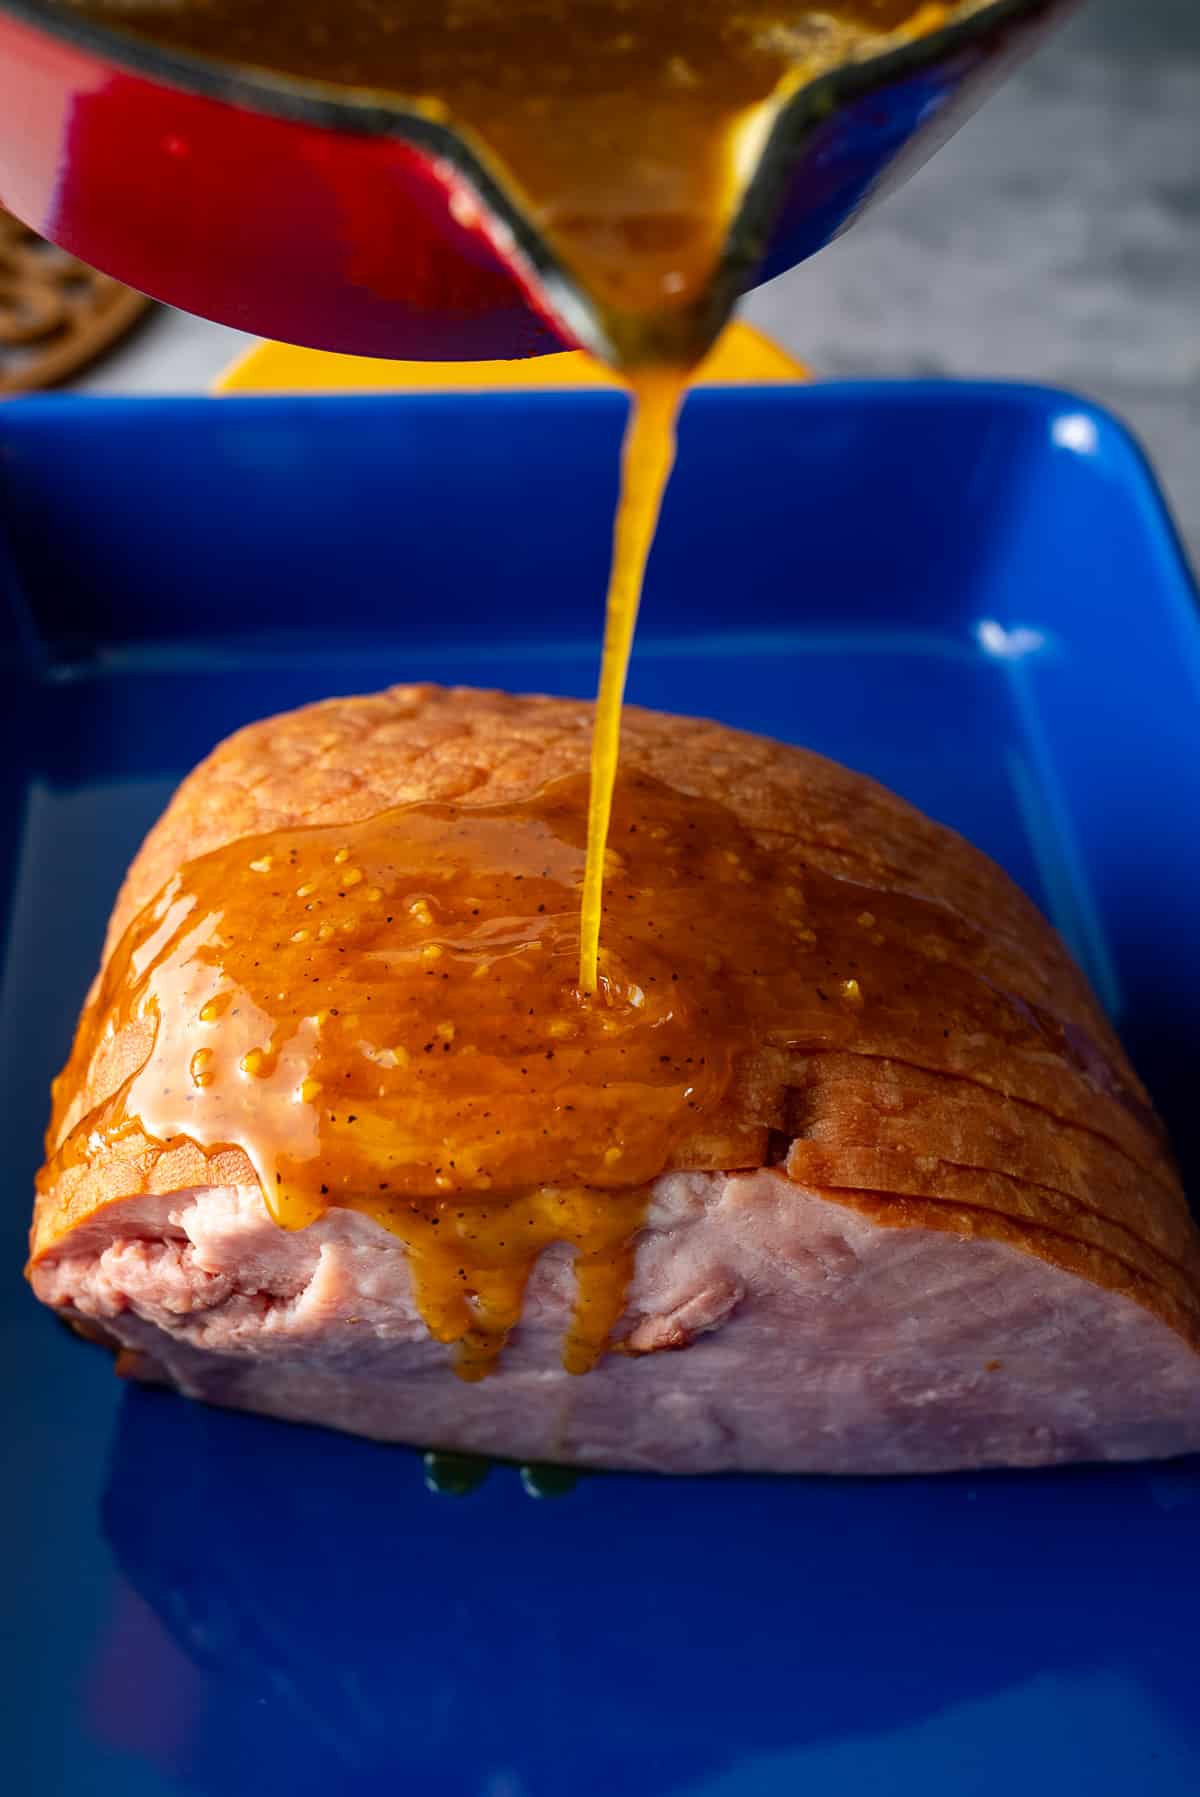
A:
(1162, 532)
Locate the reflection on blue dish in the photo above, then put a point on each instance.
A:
(359, 1635)
(970, 592)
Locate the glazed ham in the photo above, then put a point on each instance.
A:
(930, 1223)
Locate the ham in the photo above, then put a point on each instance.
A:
(934, 1227)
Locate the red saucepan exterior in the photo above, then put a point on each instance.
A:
(305, 216)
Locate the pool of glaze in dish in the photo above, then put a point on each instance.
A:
(655, 1636)
(458, 1475)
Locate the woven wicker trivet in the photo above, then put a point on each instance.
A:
(56, 314)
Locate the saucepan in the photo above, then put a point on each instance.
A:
(311, 214)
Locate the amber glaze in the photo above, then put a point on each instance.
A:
(646, 460)
(387, 1016)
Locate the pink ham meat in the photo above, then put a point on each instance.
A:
(768, 1327)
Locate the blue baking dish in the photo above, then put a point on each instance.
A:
(972, 592)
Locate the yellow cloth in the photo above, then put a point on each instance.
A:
(743, 357)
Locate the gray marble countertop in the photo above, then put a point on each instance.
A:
(1056, 239)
